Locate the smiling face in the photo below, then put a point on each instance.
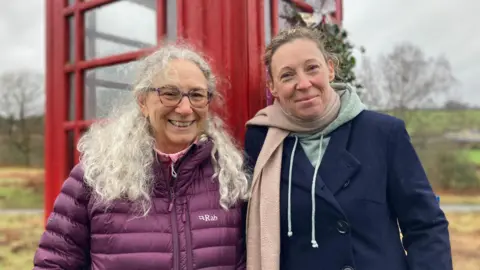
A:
(176, 127)
(301, 78)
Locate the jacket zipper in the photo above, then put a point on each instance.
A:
(188, 237)
(173, 215)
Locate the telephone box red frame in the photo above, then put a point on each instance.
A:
(232, 33)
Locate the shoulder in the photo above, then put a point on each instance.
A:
(75, 187)
(374, 118)
(373, 121)
(254, 138)
(72, 201)
(256, 132)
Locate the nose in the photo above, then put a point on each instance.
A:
(184, 107)
(303, 82)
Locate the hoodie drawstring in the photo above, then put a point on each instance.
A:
(314, 183)
(289, 206)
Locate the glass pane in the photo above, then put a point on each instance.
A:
(171, 19)
(267, 18)
(106, 87)
(71, 39)
(71, 96)
(120, 27)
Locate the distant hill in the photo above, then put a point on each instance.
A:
(437, 122)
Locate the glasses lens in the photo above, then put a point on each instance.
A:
(198, 98)
(170, 96)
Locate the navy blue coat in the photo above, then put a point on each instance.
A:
(370, 184)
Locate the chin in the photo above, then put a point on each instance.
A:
(182, 139)
(310, 115)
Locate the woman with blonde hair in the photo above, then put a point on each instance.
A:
(160, 185)
(334, 182)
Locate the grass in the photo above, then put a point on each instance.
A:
(458, 198)
(21, 188)
(19, 236)
(474, 156)
(22, 170)
(465, 240)
(18, 198)
(20, 233)
(440, 121)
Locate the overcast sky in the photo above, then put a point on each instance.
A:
(437, 26)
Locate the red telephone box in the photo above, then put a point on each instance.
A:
(92, 44)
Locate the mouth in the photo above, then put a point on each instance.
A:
(181, 124)
(305, 99)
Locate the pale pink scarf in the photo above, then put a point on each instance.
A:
(175, 156)
(263, 215)
(171, 157)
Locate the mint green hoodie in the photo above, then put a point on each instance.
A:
(314, 145)
(350, 107)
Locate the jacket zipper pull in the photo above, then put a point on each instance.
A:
(172, 200)
(184, 213)
(172, 170)
(172, 191)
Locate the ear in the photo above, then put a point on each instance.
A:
(271, 88)
(331, 70)
(141, 101)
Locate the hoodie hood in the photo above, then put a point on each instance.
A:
(315, 144)
(350, 107)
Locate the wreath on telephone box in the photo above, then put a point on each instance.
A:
(336, 39)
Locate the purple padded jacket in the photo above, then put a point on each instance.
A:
(185, 229)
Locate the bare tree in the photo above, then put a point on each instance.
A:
(22, 98)
(406, 79)
(413, 81)
(367, 76)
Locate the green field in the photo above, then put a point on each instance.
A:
(474, 156)
(21, 188)
(439, 121)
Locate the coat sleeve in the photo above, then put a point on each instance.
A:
(422, 222)
(65, 244)
(254, 138)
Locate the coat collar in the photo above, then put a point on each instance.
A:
(184, 168)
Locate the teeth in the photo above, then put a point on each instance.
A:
(181, 124)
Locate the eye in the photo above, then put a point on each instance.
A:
(169, 92)
(198, 95)
(286, 76)
(198, 92)
(312, 67)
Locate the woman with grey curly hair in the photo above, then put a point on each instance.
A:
(160, 184)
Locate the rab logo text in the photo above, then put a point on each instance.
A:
(208, 217)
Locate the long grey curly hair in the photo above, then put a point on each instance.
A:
(116, 154)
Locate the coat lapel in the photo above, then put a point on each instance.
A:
(304, 173)
(338, 165)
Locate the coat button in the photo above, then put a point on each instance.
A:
(342, 226)
(346, 184)
(348, 268)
